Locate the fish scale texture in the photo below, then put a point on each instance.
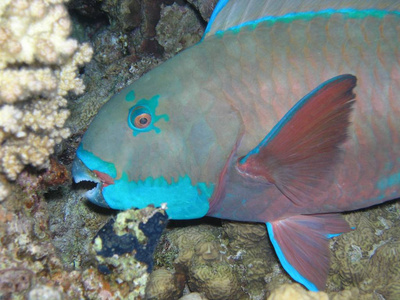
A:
(245, 81)
(287, 60)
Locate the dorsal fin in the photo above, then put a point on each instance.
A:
(229, 14)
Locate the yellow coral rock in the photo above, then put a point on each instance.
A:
(295, 291)
(193, 296)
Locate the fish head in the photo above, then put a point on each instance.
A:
(158, 142)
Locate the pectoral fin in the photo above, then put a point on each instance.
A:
(299, 153)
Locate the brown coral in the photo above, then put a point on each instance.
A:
(163, 284)
(216, 281)
(367, 258)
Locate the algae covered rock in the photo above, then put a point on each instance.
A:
(125, 246)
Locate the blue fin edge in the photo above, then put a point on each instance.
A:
(286, 265)
(354, 13)
(332, 235)
(220, 5)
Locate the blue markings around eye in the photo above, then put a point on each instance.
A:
(130, 96)
(142, 116)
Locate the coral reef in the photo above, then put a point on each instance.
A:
(38, 67)
(198, 254)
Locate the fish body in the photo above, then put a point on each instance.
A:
(219, 130)
(291, 64)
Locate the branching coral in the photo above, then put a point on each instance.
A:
(38, 67)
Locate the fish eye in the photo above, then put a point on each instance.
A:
(139, 117)
(142, 120)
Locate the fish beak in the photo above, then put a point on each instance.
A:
(82, 173)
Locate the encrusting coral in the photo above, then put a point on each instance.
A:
(38, 67)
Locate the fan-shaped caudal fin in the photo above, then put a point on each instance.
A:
(302, 246)
(298, 155)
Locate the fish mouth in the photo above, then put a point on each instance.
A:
(81, 173)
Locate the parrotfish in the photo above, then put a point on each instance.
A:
(285, 113)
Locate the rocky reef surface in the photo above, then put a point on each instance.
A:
(56, 245)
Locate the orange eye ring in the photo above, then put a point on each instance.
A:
(142, 121)
(139, 118)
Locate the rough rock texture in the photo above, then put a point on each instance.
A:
(181, 23)
(205, 7)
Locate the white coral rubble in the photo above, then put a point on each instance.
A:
(38, 67)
